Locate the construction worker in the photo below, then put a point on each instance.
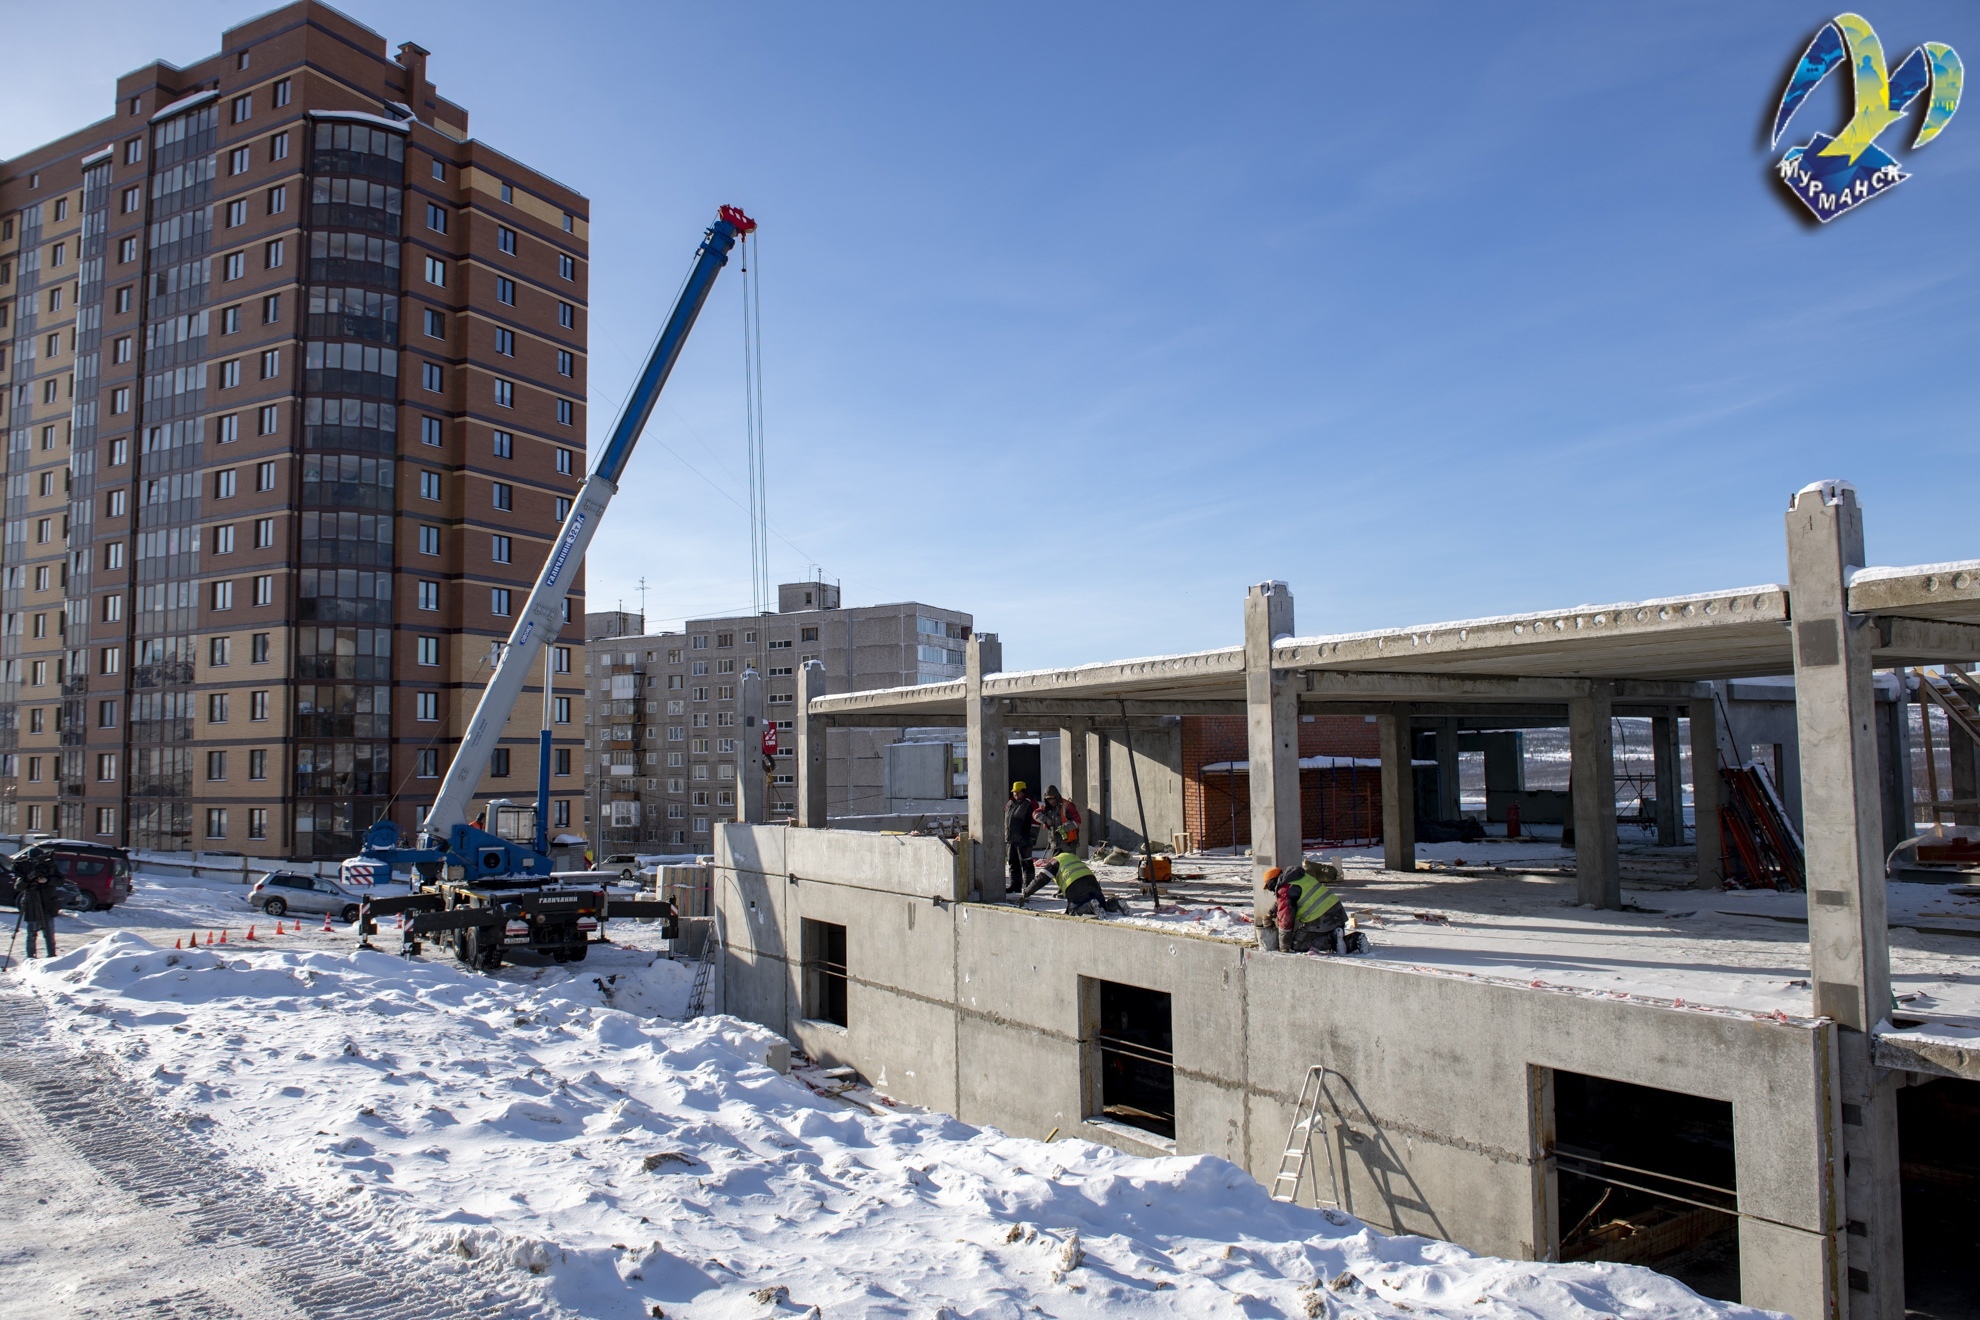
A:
(1077, 885)
(1311, 916)
(1020, 831)
(1059, 819)
(35, 878)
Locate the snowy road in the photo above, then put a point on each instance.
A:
(116, 1213)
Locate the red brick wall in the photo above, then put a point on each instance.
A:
(1342, 805)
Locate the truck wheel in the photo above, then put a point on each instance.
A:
(482, 951)
(577, 954)
(462, 949)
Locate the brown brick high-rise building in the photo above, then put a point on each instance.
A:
(295, 375)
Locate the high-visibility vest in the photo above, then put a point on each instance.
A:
(1311, 899)
(1071, 871)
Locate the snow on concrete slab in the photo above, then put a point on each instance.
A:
(531, 1127)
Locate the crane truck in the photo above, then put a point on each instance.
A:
(485, 892)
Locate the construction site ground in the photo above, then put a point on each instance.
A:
(1509, 911)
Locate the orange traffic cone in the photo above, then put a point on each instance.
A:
(326, 925)
(250, 933)
(177, 944)
(209, 937)
(223, 937)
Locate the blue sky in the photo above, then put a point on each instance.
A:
(1081, 318)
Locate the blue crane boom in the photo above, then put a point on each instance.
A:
(446, 836)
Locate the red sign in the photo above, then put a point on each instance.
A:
(770, 740)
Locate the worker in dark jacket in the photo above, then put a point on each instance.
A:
(1060, 821)
(1020, 833)
(1077, 885)
(1311, 918)
(35, 878)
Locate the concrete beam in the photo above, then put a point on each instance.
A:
(813, 755)
(1272, 739)
(1670, 807)
(891, 721)
(1098, 709)
(989, 769)
(1398, 792)
(1705, 795)
(1592, 783)
(1903, 642)
(1842, 831)
(1325, 683)
(1920, 591)
(752, 782)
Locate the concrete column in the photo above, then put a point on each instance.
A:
(1842, 830)
(1094, 801)
(989, 768)
(1705, 786)
(1073, 772)
(1449, 802)
(1591, 742)
(813, 753)
(752, 781)
(1670, 789)
(1398, 791)
(1272, 737)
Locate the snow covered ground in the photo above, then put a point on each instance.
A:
(551, 1126)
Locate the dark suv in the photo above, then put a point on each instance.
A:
(94, 875)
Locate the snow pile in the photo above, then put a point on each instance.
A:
(529, 1124)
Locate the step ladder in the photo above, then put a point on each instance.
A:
(1299, 1141)
(704, 973)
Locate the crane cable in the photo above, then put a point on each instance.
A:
(759, 498)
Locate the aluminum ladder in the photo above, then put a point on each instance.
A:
(1299, 1141)
(704, 972)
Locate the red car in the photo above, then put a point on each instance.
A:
(94, 875)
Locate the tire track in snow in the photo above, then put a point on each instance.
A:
(118, 1214)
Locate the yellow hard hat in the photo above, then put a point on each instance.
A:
(1018, 787)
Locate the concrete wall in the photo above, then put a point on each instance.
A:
(1437, 1086)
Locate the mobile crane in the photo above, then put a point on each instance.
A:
(487, 892)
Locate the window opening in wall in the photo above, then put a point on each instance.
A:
(1940, 1183)
(824, 972)
(1645, 1176)
(1134, 1057)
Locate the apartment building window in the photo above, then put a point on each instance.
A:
(109, 660)
(505, 342)
(429, 485)
(106, 714)
(505, 393)
(268, 420)
(508, 193)
(498, 763)
(567, 265)
(127, 251)
(503, 494)
(563, 512)
(264, 589)
(436, 217)
(264, 476)
(429, 431)
(280, 92)
(430, 377)
(106, 767)
(271, 363)
(258, 764)
(429, 540)
(239, 159)
(426, 707)
(223, 595)
(216, 765)
(436, 272)
(257, 822)
(278, 199)
(233, 265)
(258, 649)
(561, 659)
(566, 411)
(237, 213)
(807, 634)
(436, 324)
(562, 766)
(566, 315)
(133, 150)
(505, 290)
(426, 764)
(230, 428)
(243, 105)
(133, 198)
(113, 609)
(505, 239)
(504, 444)
(258, 705)
(271, 309)
(429, 595)
(106, 820)
(676, 733)
(219, 650)
(500, 549)
(565, 362)
(264, 533)
(564, 461)
(216, 708)
(561, 708)
(498, 601)
(272, 254)
(230, 320)
(216, 822)
(278, 147)
(223, 539)
(230, 373)
(440, 170)
(120, 452)
(114, 503)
